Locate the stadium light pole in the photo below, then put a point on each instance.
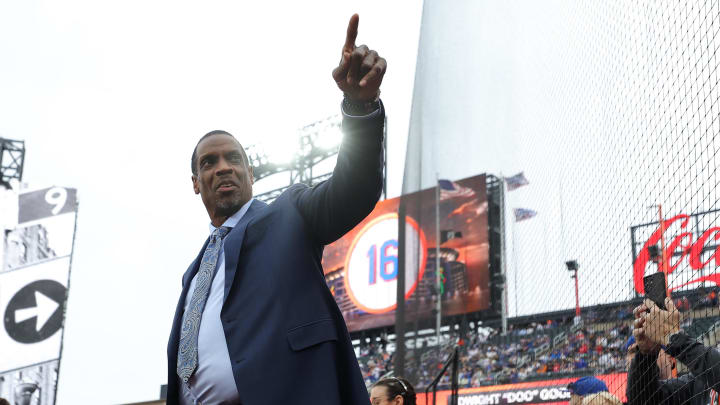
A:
(313, 144)
(572, 265)
(438, 278)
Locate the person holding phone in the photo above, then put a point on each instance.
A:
(665, 362)
(655, 329)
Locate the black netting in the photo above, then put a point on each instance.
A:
(611, 113)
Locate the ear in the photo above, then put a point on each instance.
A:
(252, 176)
(196, 188)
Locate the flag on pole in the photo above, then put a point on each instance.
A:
(522, 214)
(450, 189)
(516, 181)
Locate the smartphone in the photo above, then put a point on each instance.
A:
(655, 288)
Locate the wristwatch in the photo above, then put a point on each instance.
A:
(353, 107)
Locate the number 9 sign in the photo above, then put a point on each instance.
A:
(371, 265)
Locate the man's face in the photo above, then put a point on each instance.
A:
(223, 180)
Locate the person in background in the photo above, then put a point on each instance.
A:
(583, 387)
(601, 398)
(655, 331)
(392, 390)
(4, 401)
(665, 362)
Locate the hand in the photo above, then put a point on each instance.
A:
(361, 70)
(658, 324)
(643, 343)
(633, 348)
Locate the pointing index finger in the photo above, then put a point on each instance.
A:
(352, 31)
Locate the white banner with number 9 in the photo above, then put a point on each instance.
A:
(371, 265)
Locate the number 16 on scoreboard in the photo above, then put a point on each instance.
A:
(371, 265)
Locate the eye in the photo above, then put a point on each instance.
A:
(235, 158)
(207, 161)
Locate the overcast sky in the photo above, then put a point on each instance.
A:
(111, 97)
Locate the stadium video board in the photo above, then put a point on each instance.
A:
(361, 267)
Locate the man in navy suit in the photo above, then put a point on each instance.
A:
(256, 324)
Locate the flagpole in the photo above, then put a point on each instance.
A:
(438, 279)
(503, 251)
(515, 269)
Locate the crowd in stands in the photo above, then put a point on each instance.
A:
(532, 351)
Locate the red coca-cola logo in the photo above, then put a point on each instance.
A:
(687, 247)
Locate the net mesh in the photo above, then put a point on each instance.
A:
(611, 112)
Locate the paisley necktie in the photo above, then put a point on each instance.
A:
(188, 348)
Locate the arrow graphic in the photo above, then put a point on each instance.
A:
(43, 310)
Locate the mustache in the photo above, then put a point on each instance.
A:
(226, 182)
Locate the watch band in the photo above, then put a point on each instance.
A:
(354, 107)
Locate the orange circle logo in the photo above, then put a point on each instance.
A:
(371, 264)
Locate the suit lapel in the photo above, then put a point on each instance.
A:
(233, 244)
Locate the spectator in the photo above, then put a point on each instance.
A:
(580, 364)
(583, 387)
(601, 398)
(665, 362)
(519, 357)
(655, 328)
(392, 390)
(4, 401)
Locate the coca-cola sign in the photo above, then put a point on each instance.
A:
(684, 246)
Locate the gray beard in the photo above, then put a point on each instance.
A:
(228, 208)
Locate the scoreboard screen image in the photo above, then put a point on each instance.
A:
(361, 267)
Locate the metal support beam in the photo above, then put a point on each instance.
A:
(12, 159)
(312, 149)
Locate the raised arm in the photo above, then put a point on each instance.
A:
(703, 361)
(644, 385)
(335, 206)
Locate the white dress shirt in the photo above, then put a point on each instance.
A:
(213, 381)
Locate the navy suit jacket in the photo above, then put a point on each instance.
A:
(287, 339)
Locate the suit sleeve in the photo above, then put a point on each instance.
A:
(335, 206)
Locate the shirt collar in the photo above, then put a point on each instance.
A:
(235, 218)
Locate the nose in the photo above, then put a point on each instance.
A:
(223, 167)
